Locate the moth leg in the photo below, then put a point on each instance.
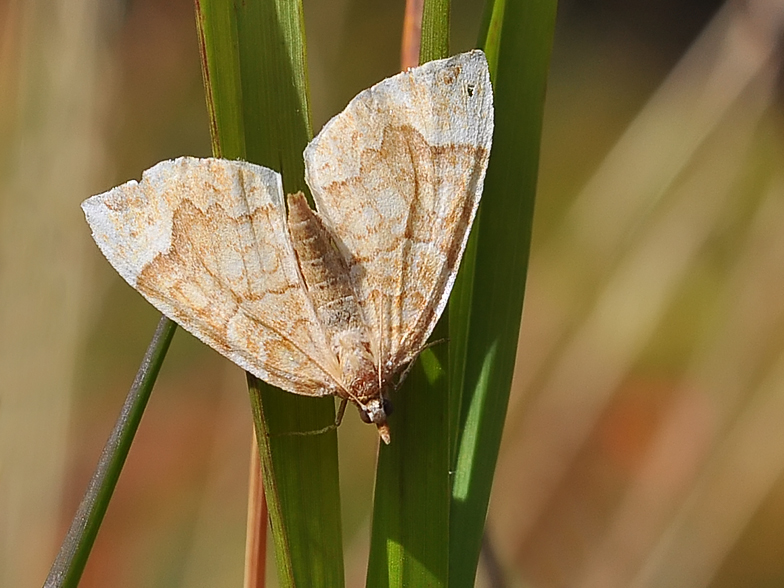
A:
(341, 411)
(335, 425)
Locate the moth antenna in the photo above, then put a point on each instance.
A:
(410, 364)
(380, 359)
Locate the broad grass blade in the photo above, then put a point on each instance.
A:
(518, 38)
(254, 62)
(410, 535)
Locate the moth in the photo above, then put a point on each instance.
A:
(334, 301)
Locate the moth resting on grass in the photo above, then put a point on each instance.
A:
(337, 301)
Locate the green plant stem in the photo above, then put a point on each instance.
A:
(72, 557)
(253, 58)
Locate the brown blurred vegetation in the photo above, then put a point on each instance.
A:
(644, 444)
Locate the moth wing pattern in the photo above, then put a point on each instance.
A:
(397, 176)
(205, 242)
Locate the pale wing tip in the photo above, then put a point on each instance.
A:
(475, 58)
(473, 63)
(97, 213)
(471, 100)
(88, 207)
(475, 73)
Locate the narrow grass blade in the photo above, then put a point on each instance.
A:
(435, 31)
(69, 564)
(410, 535)
(254, 62)
(216, 24)
(301, 485)
(519, 59)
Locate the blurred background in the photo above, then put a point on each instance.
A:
(645, 438)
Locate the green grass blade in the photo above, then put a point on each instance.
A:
(254, 59)
(490, 33)
(301, 486)
(220, 66)
(72, 557)
(461, 299)
(519, 60)
(410, 534)
(435, 31)
(409, 542)
(276, 110)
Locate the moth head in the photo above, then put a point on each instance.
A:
(376, 410)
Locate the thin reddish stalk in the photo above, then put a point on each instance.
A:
(256, 536)
(412, 34)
